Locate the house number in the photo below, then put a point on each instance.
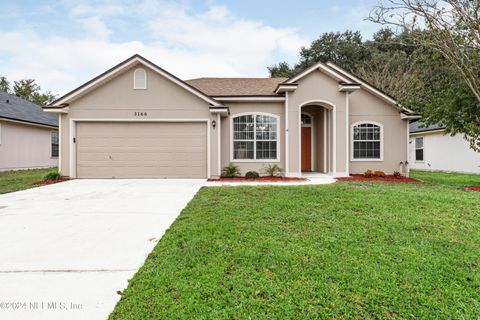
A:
(140, 114)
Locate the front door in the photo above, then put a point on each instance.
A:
(306, 148)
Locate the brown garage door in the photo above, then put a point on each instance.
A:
(141, 149)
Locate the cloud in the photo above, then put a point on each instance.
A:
(95, 27)
(188, 43)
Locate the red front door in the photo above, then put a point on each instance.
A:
(306, 149)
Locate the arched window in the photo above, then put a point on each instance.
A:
(367, 141)
(139, 79)
(306, 119)
(254, 137)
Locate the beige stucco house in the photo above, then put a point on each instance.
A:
(136, 120)
(28, 136)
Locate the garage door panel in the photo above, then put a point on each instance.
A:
(141, 150)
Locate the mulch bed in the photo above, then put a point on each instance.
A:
(261, 179)
(473, 188)
(50, 181)
(388, 178)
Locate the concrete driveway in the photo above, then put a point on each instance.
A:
(66, 249)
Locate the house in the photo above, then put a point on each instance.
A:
(432, 149)
(137, 120)
(28, 136)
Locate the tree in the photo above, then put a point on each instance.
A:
(29, 90)
(346, 49)
(450, 28)
(281, 70)
(4, 84)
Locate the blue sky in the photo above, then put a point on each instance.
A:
(62, 44)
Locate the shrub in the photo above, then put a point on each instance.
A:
(369, 174)
(397, 174)
(272, 170)
(379, 174)
(230, 171)
(252, 175)
(53, 175)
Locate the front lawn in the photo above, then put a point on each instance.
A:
(447, 179)
(22, 179)
(352, 250)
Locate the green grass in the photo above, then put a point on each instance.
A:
(447, 179)
(352, 250)
(22, 179)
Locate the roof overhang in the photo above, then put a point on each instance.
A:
(29, 123)
(404, 116)
(59, 110)
(349, 87)
(223, 111)
(322, 67)
(416, 133)
(286, 87)
(369, 87)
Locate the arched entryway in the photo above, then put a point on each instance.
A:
(316, 138)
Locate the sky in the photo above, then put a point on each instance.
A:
(62, 44)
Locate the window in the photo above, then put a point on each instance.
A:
(419, 149)
(367, 142)
(255, 137)
(139, 79)
(54, 142)
(306, 119)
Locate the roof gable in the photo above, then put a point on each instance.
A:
(344, 77)
(114, 71)
(15, 108)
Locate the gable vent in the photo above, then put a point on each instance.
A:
(140, 79)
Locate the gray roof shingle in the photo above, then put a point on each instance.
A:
(418, 126)
(15, 108)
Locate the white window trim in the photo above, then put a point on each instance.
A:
(415, 149)
(0, 134)
(352, 142)
(277, 158)
(135, 86)
(51, 149)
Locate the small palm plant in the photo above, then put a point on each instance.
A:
(231, 171)
(272, 170)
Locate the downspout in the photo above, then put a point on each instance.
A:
(347, 141)
(60, 142)
(287, 141)
(407, 168)
(219, 145)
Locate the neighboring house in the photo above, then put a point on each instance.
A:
(432, 149)
(28, 136)
(136, 120)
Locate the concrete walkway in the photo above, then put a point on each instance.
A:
(66, 249)
(311, 179)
